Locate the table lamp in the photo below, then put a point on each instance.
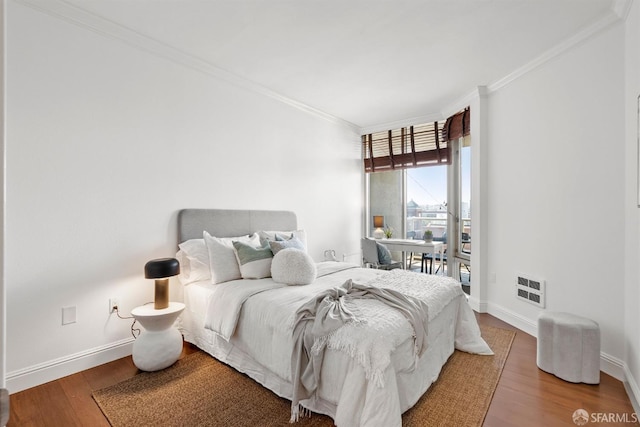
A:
(161, 269)
(378, 223)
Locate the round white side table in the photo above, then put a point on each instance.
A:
(160, 345)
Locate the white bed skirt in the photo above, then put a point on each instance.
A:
(266, 366)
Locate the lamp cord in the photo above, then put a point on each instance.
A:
(133, 330)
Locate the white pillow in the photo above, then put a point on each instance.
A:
(194, 261)
(222, 259)
(293, 267)
(254, 262)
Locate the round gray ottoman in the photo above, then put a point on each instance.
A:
(569, 347)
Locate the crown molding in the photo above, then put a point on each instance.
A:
(587, 32)
(460, 104)
(622, 8)
(455, 107)
(400, 123)
(465, 101)
(75, 15)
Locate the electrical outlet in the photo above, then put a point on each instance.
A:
(113, 304)
(68, 315)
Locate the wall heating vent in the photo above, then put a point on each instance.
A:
(530, 290)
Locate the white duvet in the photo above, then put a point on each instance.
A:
(367, 374)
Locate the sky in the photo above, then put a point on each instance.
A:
(428, 185)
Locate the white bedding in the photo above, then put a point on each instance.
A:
(260, 344)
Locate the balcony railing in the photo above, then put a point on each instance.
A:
(416, 226)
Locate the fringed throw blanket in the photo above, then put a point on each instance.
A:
(318, 319)
(354, 320)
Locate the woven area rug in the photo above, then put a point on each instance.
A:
(200, 391)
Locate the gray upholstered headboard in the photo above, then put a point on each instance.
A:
(231, 223)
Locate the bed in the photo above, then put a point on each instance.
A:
(370, 370)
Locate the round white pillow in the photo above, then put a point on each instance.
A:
(293, 267)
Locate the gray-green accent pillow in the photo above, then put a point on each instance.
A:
(384, 255)
(278, 245)
(254, 262)
(283, 235)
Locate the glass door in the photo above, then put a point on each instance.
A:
(460, 209)
(436, 199)
(427, 202)
(426, 207)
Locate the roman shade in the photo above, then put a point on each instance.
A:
(457, 126)
(414, 146)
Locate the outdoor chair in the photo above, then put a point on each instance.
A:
(443, 261)
(430, 257)
(411, 256)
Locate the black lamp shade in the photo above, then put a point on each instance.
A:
(161, 268)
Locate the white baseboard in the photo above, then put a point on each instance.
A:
(514, 319)
(477, 305)
(612, 366)
(54, 369)
(608, 364)
(39, 374)
(631, 386)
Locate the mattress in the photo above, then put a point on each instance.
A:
(261, 348)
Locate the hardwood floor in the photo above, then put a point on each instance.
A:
(525, 395)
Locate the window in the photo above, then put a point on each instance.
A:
(463, 163)
(426, 197)
(419, 179)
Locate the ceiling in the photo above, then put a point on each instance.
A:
(368, 62)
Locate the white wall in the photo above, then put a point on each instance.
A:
(3, 323)
(632, 218)
(105, 143)
(555, 188)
